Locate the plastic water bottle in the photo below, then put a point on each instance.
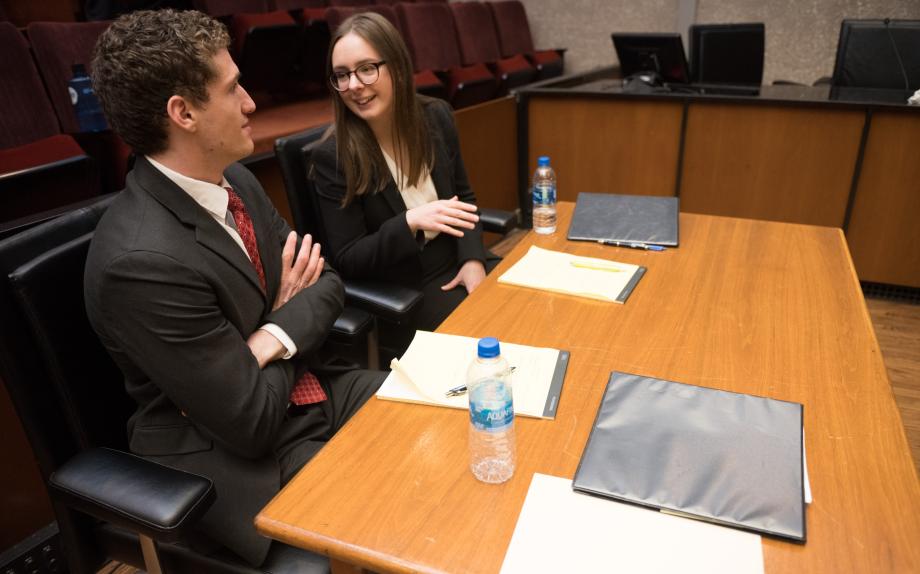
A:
(544, 197)
(89, 113)
(488, 385)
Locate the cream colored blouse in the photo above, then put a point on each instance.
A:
(414, 196)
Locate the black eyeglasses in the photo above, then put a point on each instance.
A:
(367, 74)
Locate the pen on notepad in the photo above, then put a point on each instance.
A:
(632, 245)
(597, 266)
(457, 391)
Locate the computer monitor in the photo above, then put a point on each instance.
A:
(875, 58)
(727, 53)
(662, 54)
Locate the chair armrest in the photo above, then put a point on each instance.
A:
(392, 302)
(351, 324)
(497, 220)
(132, 492)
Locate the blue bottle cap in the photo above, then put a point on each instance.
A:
(488, 347)
(543, 161)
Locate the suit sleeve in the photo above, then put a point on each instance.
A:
(166, 316)
(357, 250)
(470, 245)
(308, 316)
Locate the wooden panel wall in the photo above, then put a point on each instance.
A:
(488, 142)
(884, 230)
(606, 146)
(770, 162)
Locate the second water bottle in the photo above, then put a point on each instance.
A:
(544, 197)
(491, 414)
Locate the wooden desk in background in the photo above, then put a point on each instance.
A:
(770, 309)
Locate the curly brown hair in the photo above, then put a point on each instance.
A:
(146, 57)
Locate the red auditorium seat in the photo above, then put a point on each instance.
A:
(336, 15)
(226, 8)
(305, 10)
(514, 38)
(266, 44)
(429, 31)
(57, 46)
(40, 168)
(479, 44)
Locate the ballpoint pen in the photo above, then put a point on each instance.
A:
(632, 245)
(457, 391)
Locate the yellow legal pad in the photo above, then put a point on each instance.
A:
(589, 277)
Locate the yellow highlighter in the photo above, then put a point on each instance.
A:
(595, 266)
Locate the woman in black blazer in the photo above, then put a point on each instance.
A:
(422, 231)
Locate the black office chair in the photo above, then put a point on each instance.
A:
(727, 53)
(393, 303)
(877, 60)
(390, 302)
(70, 397)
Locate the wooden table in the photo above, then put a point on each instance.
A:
(770, 309)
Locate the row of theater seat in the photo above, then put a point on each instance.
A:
(44, 162)
(465, 52)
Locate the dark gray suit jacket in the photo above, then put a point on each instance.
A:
(173, 299)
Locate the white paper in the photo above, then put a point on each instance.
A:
(435, 363)
(805, 469)
(571, 274)
(560, 530)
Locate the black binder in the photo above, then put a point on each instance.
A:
(718, 456)
(611, 218)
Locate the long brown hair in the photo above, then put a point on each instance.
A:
(357, 150)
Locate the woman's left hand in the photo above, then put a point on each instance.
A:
(470, 276)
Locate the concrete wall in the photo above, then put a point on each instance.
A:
(801, 34)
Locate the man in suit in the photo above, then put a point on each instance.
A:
(211, 306)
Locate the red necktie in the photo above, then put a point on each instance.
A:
(307, 390)
(247, 233)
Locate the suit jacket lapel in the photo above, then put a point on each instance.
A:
(207, 231)
(393, 198)
(439, 173)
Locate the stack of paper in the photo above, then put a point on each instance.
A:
(574, 275)
(435, 363)
(561, 531)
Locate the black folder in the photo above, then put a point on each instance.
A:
(612, 218)
(723, 457)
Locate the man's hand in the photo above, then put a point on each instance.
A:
(299, 273)
(444, 215)
(470, 276)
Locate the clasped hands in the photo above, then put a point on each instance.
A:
(296, 275)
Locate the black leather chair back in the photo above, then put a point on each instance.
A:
(81, 375)
(35, 384)
(27, 376)
(70, 394)
(294, 165)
